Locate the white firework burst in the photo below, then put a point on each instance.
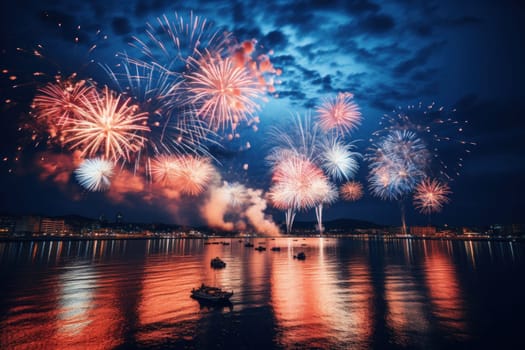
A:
(95, 174)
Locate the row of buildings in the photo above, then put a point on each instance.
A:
(31, 225)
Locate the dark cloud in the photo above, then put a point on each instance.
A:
(121, 25)
(65, 25)
(429, 26)
(361, 6)
(461, 21)
(376, 24)
(275, 40)
(424, 74)
(145, 7)
(491, 116)
(420, 59)
(422, 29)
(325, 82)
(283, 60)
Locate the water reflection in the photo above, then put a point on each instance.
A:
(445, 295)
(357, 294)
(405, 316)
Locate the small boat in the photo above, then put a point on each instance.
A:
(300, 256)
(217, 263)
(276, 249)
(210, 294)
(225, 243)
(248, 245)
(261, 249)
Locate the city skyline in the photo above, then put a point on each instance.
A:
(464, 57)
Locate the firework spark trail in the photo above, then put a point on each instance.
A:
(95, 174)
(327, 194)
(430, 196)
(223, 94)
(340, 114)
(172, 42)
(351, 191)
(107, 125)
(299, 138)
(397, 164)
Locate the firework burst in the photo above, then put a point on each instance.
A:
(107, 125)
(162, 169)
(301, 137)
(297, 181)
(174, 128)
(223, 93)
(171, 42)
(441, 132)
(190, 175)
(193, 174)
(430, 196)
(56, 103)
(95, 174)
(397, 164)
(340, 114)
(337, 159)
(351, 191)
(298, 184)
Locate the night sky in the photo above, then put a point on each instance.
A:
(466, 55)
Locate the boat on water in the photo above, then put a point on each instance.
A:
(276, 249)
(217, 263)
(248, 245)
(300, 256)
(210, 294)
(260, 248)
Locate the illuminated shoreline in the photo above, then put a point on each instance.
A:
(213, 238)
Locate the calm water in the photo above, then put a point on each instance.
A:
(347, 294)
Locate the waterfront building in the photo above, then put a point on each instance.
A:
(423, 231)
(27, 225)
(50, 226)
(7, 225)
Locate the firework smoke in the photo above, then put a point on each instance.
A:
(221, 211)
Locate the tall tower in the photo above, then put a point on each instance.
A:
(119, 218)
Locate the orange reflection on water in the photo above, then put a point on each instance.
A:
(75, 313)
(312, 304)
(86, 311)
(361, 307)
(445, 292)
(405, 315)
(294, 303)
(165, 297)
